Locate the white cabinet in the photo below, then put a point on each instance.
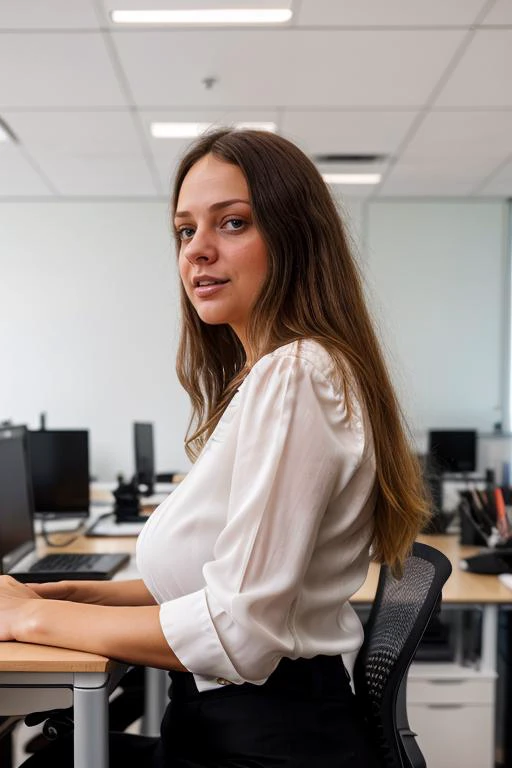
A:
(451, 708)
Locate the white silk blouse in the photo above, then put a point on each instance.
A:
(256, 553)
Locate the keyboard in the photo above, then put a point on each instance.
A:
(73, 565)
(65, 562)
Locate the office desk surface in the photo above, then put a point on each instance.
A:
(26, 657)
(462, 587)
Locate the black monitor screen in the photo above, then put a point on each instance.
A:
(60, 470)
(453, 450)
(144, 454)
(16, 527)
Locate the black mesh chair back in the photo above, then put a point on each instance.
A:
(398, 618)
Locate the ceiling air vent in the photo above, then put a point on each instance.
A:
(349, 158)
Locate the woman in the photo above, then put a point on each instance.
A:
(301, 468)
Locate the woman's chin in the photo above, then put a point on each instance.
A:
(213, 318)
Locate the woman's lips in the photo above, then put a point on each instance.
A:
(205, 291)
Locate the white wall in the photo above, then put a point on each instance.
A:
(437, 274)
(88, 316)
(88, 325)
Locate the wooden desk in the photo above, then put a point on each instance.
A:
(462, 588)
(36, 678)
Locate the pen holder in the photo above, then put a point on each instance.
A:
(469, 534)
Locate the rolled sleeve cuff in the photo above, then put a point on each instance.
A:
(189, 630)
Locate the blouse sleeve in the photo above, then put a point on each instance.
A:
(295, 445)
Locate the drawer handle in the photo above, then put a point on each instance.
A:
(445, 706)
(447, 681)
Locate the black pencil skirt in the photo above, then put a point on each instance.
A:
(304, 716)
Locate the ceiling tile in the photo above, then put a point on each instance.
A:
(356, 192)
(81, 132)
(468, 136)
(424, 177)
(500, 13)
(95, 174)
(392, 13)
(501, 184)
(47, 14)
(480, 78)
(343, 131)
(17, 177)
(452, 152)
(57, 70)
(284, 67)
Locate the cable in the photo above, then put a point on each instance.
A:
(46, 534)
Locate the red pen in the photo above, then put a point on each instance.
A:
(501, 514)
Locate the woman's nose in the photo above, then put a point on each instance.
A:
(201, 248)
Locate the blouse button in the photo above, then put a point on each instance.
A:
(223, 681)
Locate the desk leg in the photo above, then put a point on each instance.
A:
(489, 638)
(90, 701)
(155, 700)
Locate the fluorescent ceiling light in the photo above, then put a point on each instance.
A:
(178, 130)
(255, 126)
(4, 136)
(199, 16)
(351, 178)
(192, 130)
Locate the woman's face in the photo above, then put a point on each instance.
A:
(222, 259)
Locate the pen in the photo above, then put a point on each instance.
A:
(501, 514)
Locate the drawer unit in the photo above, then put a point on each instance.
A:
(451, 708)
(454, 735)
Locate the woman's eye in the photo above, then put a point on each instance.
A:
(185, 233)
(234, 224)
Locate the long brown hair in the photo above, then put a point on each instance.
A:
(313, 290)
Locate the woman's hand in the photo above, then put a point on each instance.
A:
(13, 599)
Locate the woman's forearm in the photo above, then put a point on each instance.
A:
(131, 634)
(131, 592)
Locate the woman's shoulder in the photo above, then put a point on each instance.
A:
(307, 351)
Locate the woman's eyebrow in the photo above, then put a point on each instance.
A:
(214, 206)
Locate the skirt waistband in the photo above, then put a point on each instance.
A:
(319, 676)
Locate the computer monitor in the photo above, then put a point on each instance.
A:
(144, 455)
(452, 450)
(16, 501)
(59, 460)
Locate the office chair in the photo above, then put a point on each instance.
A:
(398, 618)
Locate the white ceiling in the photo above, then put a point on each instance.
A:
(427, 84)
